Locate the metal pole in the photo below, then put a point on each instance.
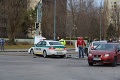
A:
(54, 19)
(37, 21)
(100, 19)
(40, 17)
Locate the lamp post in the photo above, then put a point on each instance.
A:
(100, 19)
(39, 17)
(54, 19)
(74, 30)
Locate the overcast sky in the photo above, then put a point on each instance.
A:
(98, 1)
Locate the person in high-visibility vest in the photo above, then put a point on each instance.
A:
(63, 42)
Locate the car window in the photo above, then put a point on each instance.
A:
(41, 43)
(118, 47)
(97, 43)
(38, 44)
(55, 43)
(105, 47)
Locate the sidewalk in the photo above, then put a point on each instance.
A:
(15, 50)
(26, 50)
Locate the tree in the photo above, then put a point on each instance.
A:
(15, 12)
(83, 18)
(111, 31)
(28, 24)
(48, 18)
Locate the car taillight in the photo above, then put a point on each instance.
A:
(90, 54)
(51, 48)
(92, 47)
(65, 48)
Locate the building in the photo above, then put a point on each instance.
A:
(113, 14)
(113, 10)
(32, 4)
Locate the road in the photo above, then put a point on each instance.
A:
(39, 68)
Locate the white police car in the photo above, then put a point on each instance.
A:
(49, 48)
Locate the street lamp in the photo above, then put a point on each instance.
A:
(39, 17)
(74, 30)
(100, 19)
(54, 19)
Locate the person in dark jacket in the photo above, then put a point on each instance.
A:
(58, 38)
(110, 40)
(80, 45)
(2, 44)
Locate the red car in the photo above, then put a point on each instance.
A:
(106, 53)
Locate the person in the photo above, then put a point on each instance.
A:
(58, 38)
(63, 42)
(80, 45)
(110, 40)
(2, 44)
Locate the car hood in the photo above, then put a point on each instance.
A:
(101, 52)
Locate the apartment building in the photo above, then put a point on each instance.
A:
(32, 3)
(113, 10)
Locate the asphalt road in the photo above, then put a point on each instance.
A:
(39, 68)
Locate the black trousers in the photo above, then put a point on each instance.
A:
(2, 47)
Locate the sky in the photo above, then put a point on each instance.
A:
(99, 1)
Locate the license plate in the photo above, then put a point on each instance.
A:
(58, 49)
(59, 52)
(96, 58)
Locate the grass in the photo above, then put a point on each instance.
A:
(20, 46)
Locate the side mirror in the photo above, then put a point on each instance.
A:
(118, 50)
(92, 48)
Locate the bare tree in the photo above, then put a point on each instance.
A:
(15, 12)
(48, 18)
(84, 17)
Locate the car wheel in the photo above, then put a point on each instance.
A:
(90, 64)
(31, 51)
(63, 56)
(115, 62)
(44, 54)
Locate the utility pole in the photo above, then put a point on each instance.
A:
(100, 19)
(54, 19)
(39, 17)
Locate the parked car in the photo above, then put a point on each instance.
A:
(94, 44)
(49, 48)
(106, 53)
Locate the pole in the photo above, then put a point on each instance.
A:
(100, 19)
(37, 21)
(54, 19)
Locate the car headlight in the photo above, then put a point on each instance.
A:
(90, 54)
(106, 55)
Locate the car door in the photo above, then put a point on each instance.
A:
(37, 49)
(118, 53)
(43, 46)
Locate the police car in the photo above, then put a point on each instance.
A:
(49, 48)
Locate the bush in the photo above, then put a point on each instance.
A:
(24, 43)
(8, 42)
(69, 42)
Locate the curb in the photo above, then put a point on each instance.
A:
(25, 50)
(13, 51)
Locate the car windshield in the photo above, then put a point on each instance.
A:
(105, 47)
(97, 43)
(55, 43)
